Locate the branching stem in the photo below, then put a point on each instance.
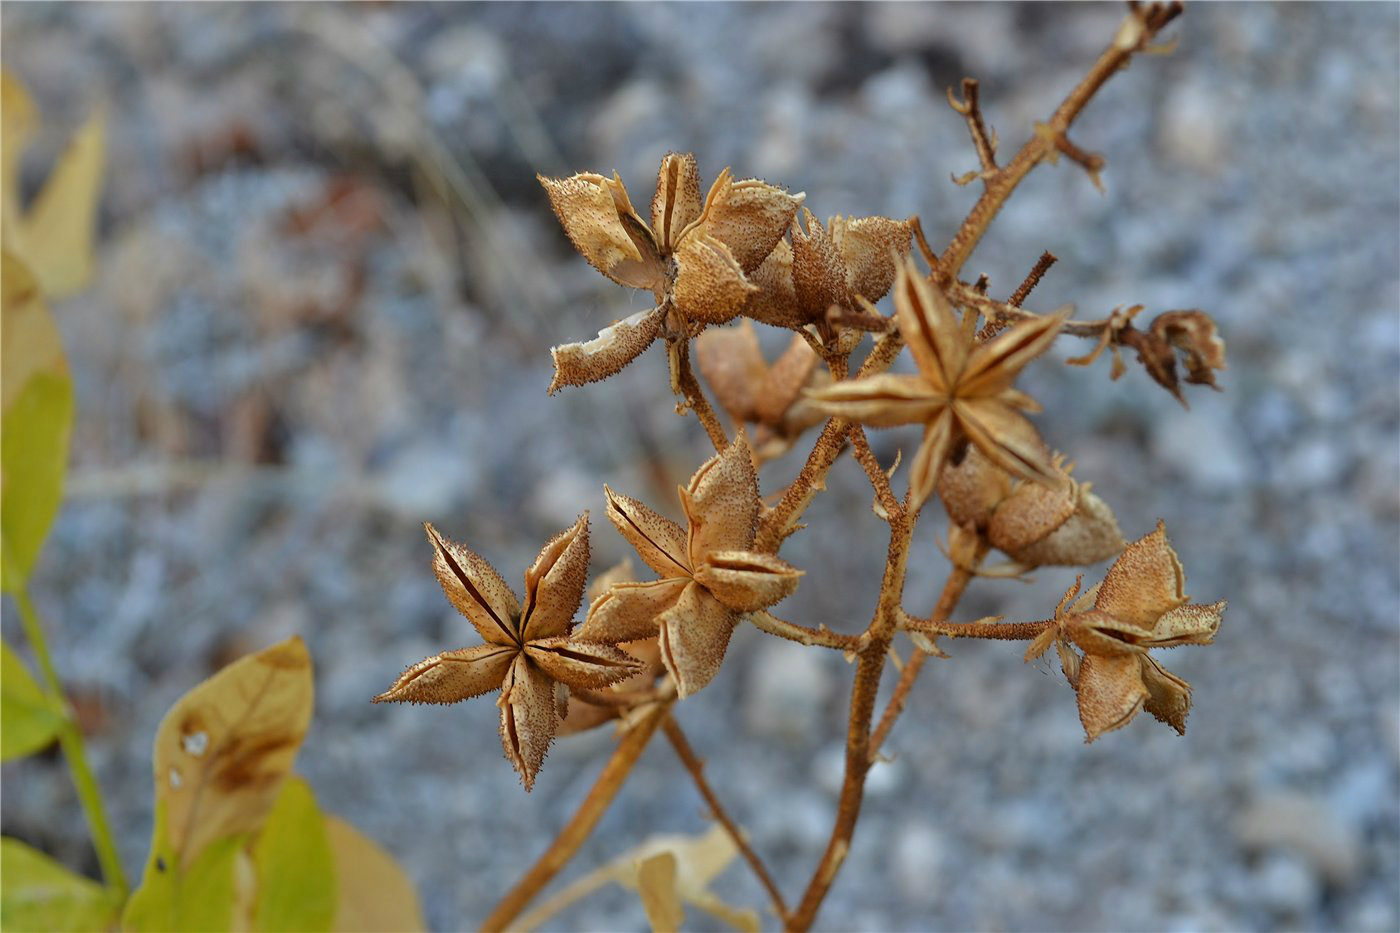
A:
(581, 824)
(870, 662)
(821, 637)
(778, 521)
(697, 402)
(696, 767)
(982, 138)
(953, 589)
(1141, 28)
(879, 479)
(70, 739)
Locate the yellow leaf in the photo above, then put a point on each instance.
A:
(55, 237)
(36, 411)
(374, 893)
(31, 344)
(223, 750)
(40, 894)
(656, 883)
(17, 122)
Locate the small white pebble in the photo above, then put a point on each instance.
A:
(174, 778)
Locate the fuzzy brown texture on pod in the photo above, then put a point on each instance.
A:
(709, 577)
(1140, 604)
(963, 391)
(839, 265)
(694, 258)
(1035, 524)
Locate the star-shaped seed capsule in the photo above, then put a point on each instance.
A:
(1140, 604)
(709, 577)
(527, 652)
(694, 258)
(962, 391)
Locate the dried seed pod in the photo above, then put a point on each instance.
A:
(1141, 604)
(528, 651)
(695, 259)
(709, 575)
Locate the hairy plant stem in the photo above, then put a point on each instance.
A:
(696, 767)
(1000, 313)
(1047, 142)
(70, 739)
(821, 637)
(879, 479)
(581, 824)
(870, 663)
(953, 589)
(697, 402)
(775, 524)
(997, 631)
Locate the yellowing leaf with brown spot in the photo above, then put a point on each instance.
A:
(223, 750)
(32, 344)
(55, 236)
(374, 893)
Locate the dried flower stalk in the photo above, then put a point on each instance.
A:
(746, 252)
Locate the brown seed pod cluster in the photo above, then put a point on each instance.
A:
(750, 250)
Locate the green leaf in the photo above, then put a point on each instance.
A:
(200, 897)
(36, 421)
(294, 866)
(37, 893)
(33, 453)
(28, 719)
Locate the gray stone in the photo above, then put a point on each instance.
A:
(786, 691)
(1285, 884)
(1205, 450)
(918, 860)
(1307, 827)
(1194, 126)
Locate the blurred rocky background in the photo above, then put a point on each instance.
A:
(327, 286)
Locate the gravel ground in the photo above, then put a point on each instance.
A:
(327, 285)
